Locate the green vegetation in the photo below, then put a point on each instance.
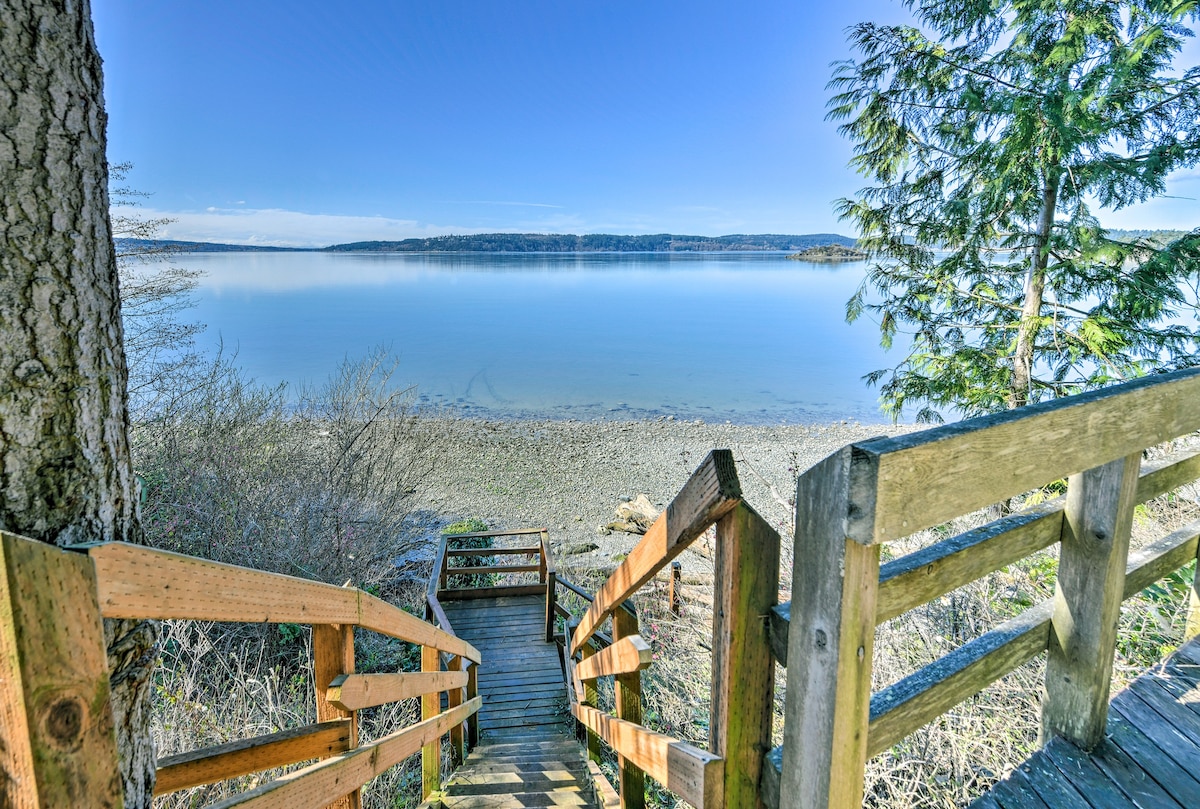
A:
(991, 136)
(592, 243)
(829, 252)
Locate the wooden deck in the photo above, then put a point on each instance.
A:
(1149, 760)
(527, 755)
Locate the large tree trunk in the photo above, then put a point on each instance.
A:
(66, 475)
(1031, 307)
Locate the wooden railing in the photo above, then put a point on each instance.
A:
(869, 494)
(747, 580)
(54, 682)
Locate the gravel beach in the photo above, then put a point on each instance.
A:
(569, 476)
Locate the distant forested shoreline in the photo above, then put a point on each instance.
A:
(542, 243)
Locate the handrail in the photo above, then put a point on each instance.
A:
(922, 576)
(712, 491)
(893, 476)
(138, 582)
(747, 566)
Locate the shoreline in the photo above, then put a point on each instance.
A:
(569, 475)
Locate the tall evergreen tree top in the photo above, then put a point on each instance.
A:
(989, 134)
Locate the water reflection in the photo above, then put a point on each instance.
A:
(738, 336)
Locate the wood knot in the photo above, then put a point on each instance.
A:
(822, 640)
(64, 721)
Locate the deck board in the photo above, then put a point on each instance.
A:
(1150, 758)
(527, 756)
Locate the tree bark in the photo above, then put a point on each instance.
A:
(1031, 306)
(66, 475)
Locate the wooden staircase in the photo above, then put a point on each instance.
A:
(527, 755)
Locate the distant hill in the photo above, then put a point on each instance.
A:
(200, 247)
(594, 243)
(829, 252)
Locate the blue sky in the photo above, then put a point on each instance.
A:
(310, 123)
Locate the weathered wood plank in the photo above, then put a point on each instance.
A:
(1088, 779)
(57, 741)
(431, 750)
(454, 698)
(244, 756)
(920, 577)
(1176, 780)
(627, 696)
(1131, 778)
(333, 657)
(1093, 555)
(550, 575)
(493, 551)
(590, 698)
(472, 694)
(830, 643)
(491, 570)
(1192, 629)
(1171, 711)
(1051, 787)
(1117, 421)
(695, 775)
(1167, 474)
(1160, 558)
(353, 692)
(138, 582)
(746, 572)
(1015, 792)
(1174, 744)
(711, 492)
(899, 709)
(471, 593)
(624, 656)
(315, 785)
(512, 532)
(1181, 684)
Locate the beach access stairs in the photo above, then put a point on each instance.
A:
(510, 715)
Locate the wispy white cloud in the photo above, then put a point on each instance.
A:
(272, 227)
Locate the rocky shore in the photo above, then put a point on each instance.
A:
(569, 476)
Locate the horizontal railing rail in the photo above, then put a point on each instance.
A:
(139, 582)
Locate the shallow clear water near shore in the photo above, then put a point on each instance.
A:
(743, 337)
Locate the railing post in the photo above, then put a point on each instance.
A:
(333, 656)
(830, 641)
(1087, 600)
(431, 754)
(551, 597)
(675, 593)
(743, 669)
(590, 695)
(472, 692)
(1193, 617)
(550, 577)
(58, 742)
(454, 698)
(628, 694)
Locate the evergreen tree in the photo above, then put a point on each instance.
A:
(989, 140)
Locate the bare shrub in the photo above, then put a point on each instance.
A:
(321, 491)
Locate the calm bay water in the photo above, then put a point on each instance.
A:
(717, 336)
